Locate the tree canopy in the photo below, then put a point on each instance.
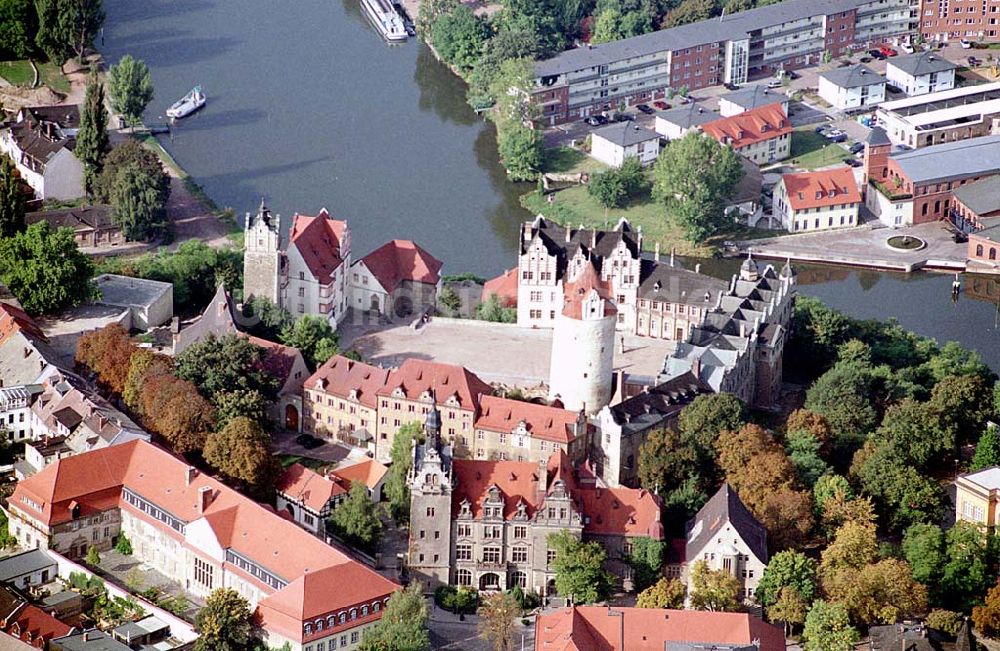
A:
(45, 270)
(397, 491)
(18, 24)
(224, 364)
(356, 519)
(314, 337)
(12, 203)
(579, 568)
(828, 628)
(713, 589)
(92, 136)
(131, 89)
(403, 626)
(67, 27)
(225, 623)
(665, 593)
(787, 569)
(242, 452)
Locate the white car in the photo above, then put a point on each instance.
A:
(774, 83)
(966, 45)
(906, 47)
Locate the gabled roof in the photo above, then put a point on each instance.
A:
(953, 160)
(402, 260)
(578, 293)
(600, 628)
(39, 143)
(340, 375)
(822, 188)
(318, 240)
(542, 422)
(218, 319)
(726, 507)
(752, 97)
(981, 197)
(34, 560)
(662, 282)
(83, 218)
(749, 127)
(620, 511)
(877, 136)
(688, 115)
(307, 487)
(517, 480)
(369, 472)
(32, 624)
(417, 378)
(625, 134)
(921, 63)
(14, 319)
(854, 76)
(504, 286)
(657, 405)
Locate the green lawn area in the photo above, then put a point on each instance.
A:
(313, 464)
(811, 150)
(562, 160)
(19, 73)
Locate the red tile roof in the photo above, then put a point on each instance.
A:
(340, 375)
(417, 377)
(307, 487)
(755, 125)
(504, 286)
(368, 472)
(597, 628)
(319, 240)
(14, 319)
(821, 188)
(34, 624)
(95, 480)
(400, 260)
(543, 422)
(616, 511)
(578, 290)
(279, 360)
(517, 480)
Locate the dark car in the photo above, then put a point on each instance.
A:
(821, 128)
(973, 62)
(857, 148)
(791, 74)
(645, 109)
(959, 237)
(865, 59)
(624, 117)
(730, 86)
(663, 106)
(853, 162)
(876, 54)
(308, 441)
(596, 120)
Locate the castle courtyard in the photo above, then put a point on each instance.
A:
(497, 352)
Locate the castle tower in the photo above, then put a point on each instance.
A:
(583, 340)
(430, 507)
(261, 255)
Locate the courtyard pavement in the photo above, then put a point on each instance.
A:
(496, 352)
(865, 246)
(118, 566)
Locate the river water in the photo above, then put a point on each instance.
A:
(309, 108)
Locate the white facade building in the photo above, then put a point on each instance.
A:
(40, 143)
(814, 201)
(614, 143)
(15, 411)
(920, 73)
(854, 87)
(941, 117)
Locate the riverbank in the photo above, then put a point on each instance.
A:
(866, 247)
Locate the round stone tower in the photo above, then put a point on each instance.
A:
(583, 340)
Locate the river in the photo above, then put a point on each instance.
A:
(309, 108)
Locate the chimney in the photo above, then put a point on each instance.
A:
(204, 498)
(569, 231)
(696, 366)
(190, 474)
(697, 268)
(593, 239)
(673, 250)
(656, 252)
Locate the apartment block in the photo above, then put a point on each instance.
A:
(942, 21)
(941, 117)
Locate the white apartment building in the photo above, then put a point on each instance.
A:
(815, 201)
(920, 73)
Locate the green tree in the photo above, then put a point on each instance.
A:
(492, 309)
(450, 300)
(613, 187)
(268, 320)
(44, 269)
(986, 616)
(403, 626)
(314, 337)
(92, 136)
(228, 363)
(970, 568)
(987, 450)
(579, 568)
(131, 89)
(93, 557)
(789, 608)
(923, 547)
(18, 22)
(356, 519)
(701, 422)
(496, 620)
(130, 154)
(713, 589)
(804, 452)
(614, 23)
(248, 403)
(665, 593)
(123, 545)
(67, 27)
(947, 621)
(843, 396)
(11, 200)
(225, 623)
(828, 628)
(902, 493)
(242, 452)
(665, 460)
(459, 36)
(397, 491)
(520, 150)
(788, 569)
(137, 203)
(693, 177)
(646, 561)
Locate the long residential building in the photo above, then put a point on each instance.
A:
(204, 535)
(941, 117)
(730, 49)
(942, 21)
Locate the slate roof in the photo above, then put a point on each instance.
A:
(661, 282)
(725, 507)
(921, 63)
(27, 562)
(651, 408)
(990, 233)
(689, 115)
(903, 637)
(37, 145)
(754, 97)
(67, 116)
(877, 136)
(85, 218)
(953, 160)
(565, 241)
(854, 76)
(733, 26)
(625, 134)
(981, 197)
(92, 640)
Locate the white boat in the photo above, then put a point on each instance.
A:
(188, 104)
(386, 19)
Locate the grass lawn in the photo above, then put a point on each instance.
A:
(811, 150)
(313, 464)
(562, 160)
(19, 73)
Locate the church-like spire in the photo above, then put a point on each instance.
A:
(432, 425)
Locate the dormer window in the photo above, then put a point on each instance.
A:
(819, 194)
(833, 193)
(309, 629)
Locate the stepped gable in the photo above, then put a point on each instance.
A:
(565, 241)
(318, 240)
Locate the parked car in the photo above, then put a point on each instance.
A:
(857, 148)
(624, 117)
(821, 128)
(853, 162)
(645, 109)
(876, 54)
(596, 120)
(865, 59)
(308, 441)
(774, 83)
(906, 47)
(663, 106)
(730, 86)
(836, 135)
(974, 62)
(959, 237)
(687, 100)
(888, 51)
(791, 74)
(966, 44)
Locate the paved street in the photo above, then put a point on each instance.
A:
(449, 632)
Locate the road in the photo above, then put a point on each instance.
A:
(448, 632)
